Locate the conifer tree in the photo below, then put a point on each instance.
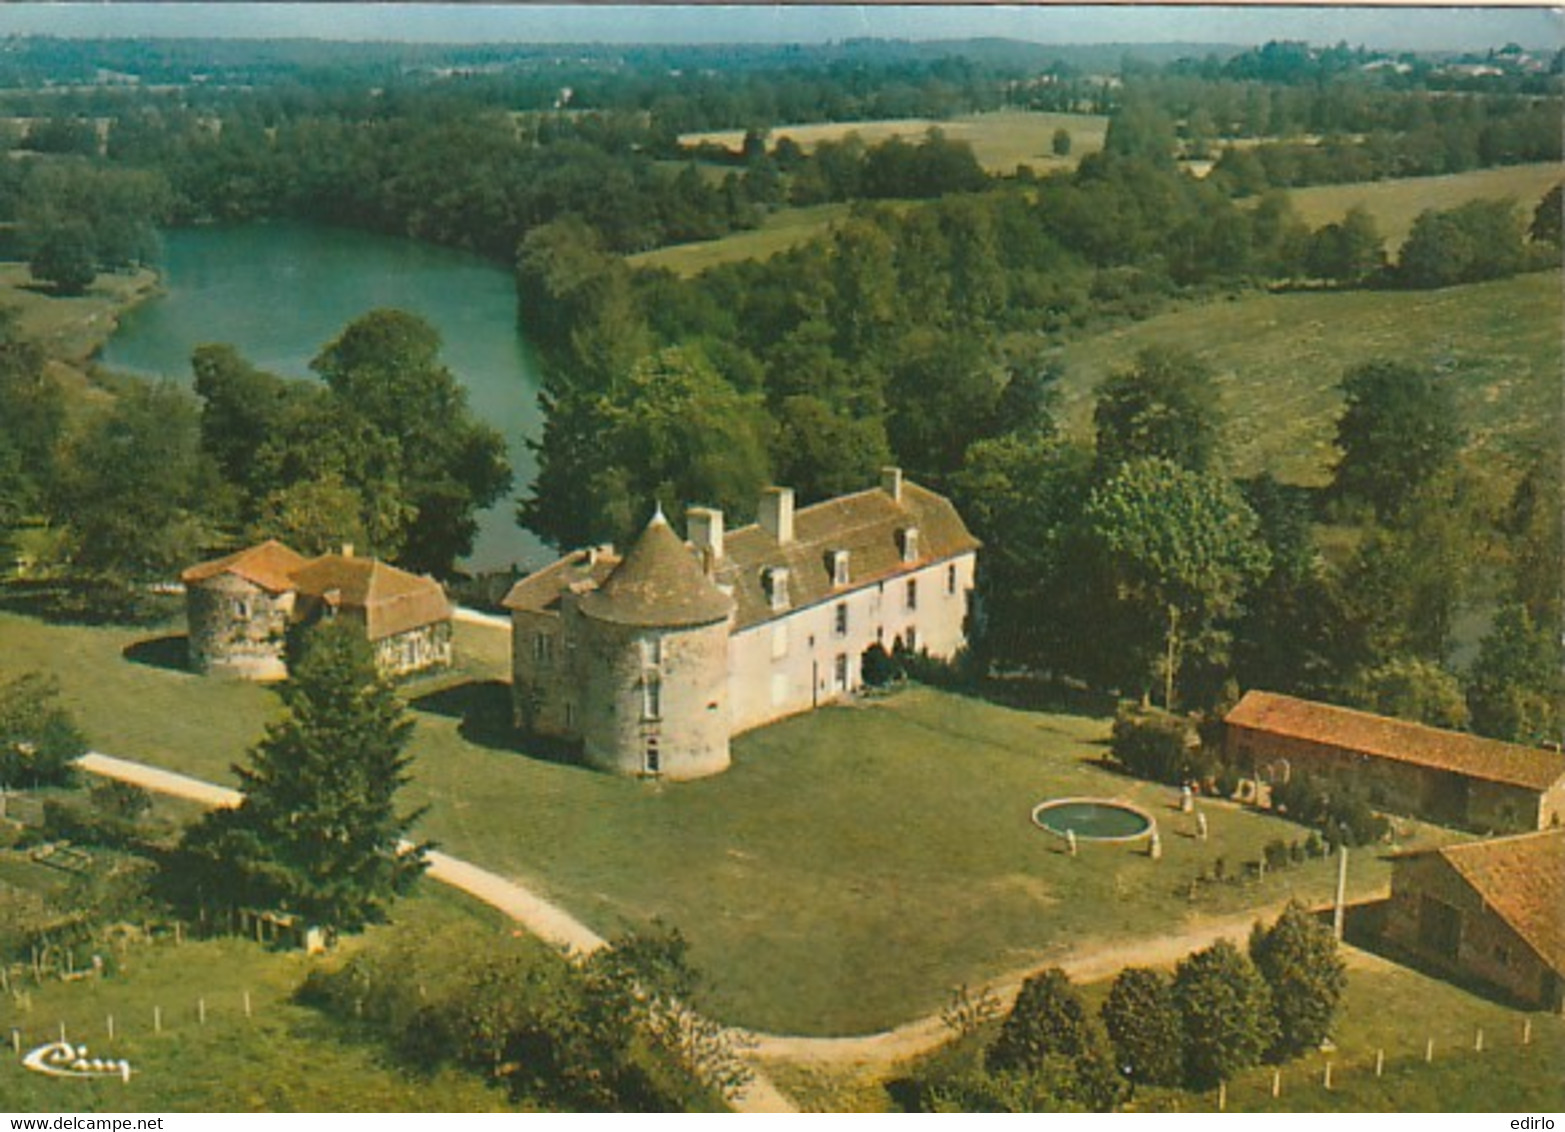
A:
(318, 832)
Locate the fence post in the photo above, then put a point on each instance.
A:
(201, 1010)
(157, 1019)
(1276, 1083)
(111, 1027)
(1326, 1079)
(1478, 1041)
(1526, 1031)
(1429, 1050)
(247, 1004)
(62, 1030)
(16, 1041)
(1380, 1061)
(1222, 1096)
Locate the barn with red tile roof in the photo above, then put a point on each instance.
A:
(1446, 776)
(1491, 910)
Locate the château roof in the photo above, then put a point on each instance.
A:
(1490, 759)
(659, 583)
(1522, 879)
(869, 525)
(393, 601)
(540, 592)
(270, 565)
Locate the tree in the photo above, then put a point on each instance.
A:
(1164, 406)
(1182, 545)
(1516, 685)
(32, 420)
(1411, 688)
(65, 258)
(386, 367)
(137, 496)
(1143, 1023)
(1397, 432)
(1549, 217)
(1225, 1013)
(38, 739)
(1299, 958)
(1479, 240)
(318, 832)
(1061, 143)
(1350, 252)
(1047, 1019)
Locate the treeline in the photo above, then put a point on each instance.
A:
(1221, 1011)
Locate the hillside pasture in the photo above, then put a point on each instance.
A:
(781, 230)
(1001, 139)
(1279, 358)
(1396, 204)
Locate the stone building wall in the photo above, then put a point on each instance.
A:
(545, 693)
(237, 628)
(417, 650)
(1436, 915)
(791, 663)
(680, 730)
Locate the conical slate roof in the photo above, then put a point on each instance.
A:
(659, 584)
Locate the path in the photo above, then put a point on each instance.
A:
(548, 922)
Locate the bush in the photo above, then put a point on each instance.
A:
(1143, 1024)
(1156, 744)
(1225, 1014)
(1299, 958)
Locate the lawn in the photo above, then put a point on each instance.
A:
(1001, 139)
(1396, 204)
(72, 329)
(852, 867)
(283, 1057)
(1279, 357)
(786, 228)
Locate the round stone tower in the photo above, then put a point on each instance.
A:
(655, 695)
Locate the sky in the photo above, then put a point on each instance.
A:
(1377, 27)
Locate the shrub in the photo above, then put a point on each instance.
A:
(1155, 744)
(1299, 958)
(1143, 1024)
(1225, 1014)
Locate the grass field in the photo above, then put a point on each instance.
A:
(1279, 359)
(71, 329)
(852, 867)
(786, 228)
(1396, 204)
(1001, 140)
(282, 1058)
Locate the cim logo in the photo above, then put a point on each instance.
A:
(62, 1059)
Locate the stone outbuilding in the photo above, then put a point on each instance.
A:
(241, 607)
(652, 661)
(1408, 768)
(1488, 910)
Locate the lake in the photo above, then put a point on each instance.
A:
(279, 292)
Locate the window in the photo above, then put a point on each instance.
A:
(543, 648)
(652, 651)
(951, 578)
(912, 593)
(570, 715)
(839, 568)
(1502, 955)
(842, 619)
(780, 640)
(909, 544)
(242, 608)
(651, 697)
(911, 636)
(840, 672)
(775, 581)
(653, 760)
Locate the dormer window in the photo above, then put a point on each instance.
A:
(908, 537)
(839, 568)
(775, 582)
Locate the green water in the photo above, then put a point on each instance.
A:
(279, 292)
(1107, 820)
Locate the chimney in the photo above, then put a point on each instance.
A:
(705, 527)
(347, 550)
(891, 483)
(776, 513)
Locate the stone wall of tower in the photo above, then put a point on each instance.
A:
(680, 730)
(237, 628)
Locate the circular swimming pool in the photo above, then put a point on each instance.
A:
(1093, 819)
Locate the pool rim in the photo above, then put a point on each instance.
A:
(1118, 803)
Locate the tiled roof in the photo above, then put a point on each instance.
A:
(660, 583)
(1523, 879)
(1471, 755)
(270, 565)
(540, 591)
(394, 601)
(867, 524)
